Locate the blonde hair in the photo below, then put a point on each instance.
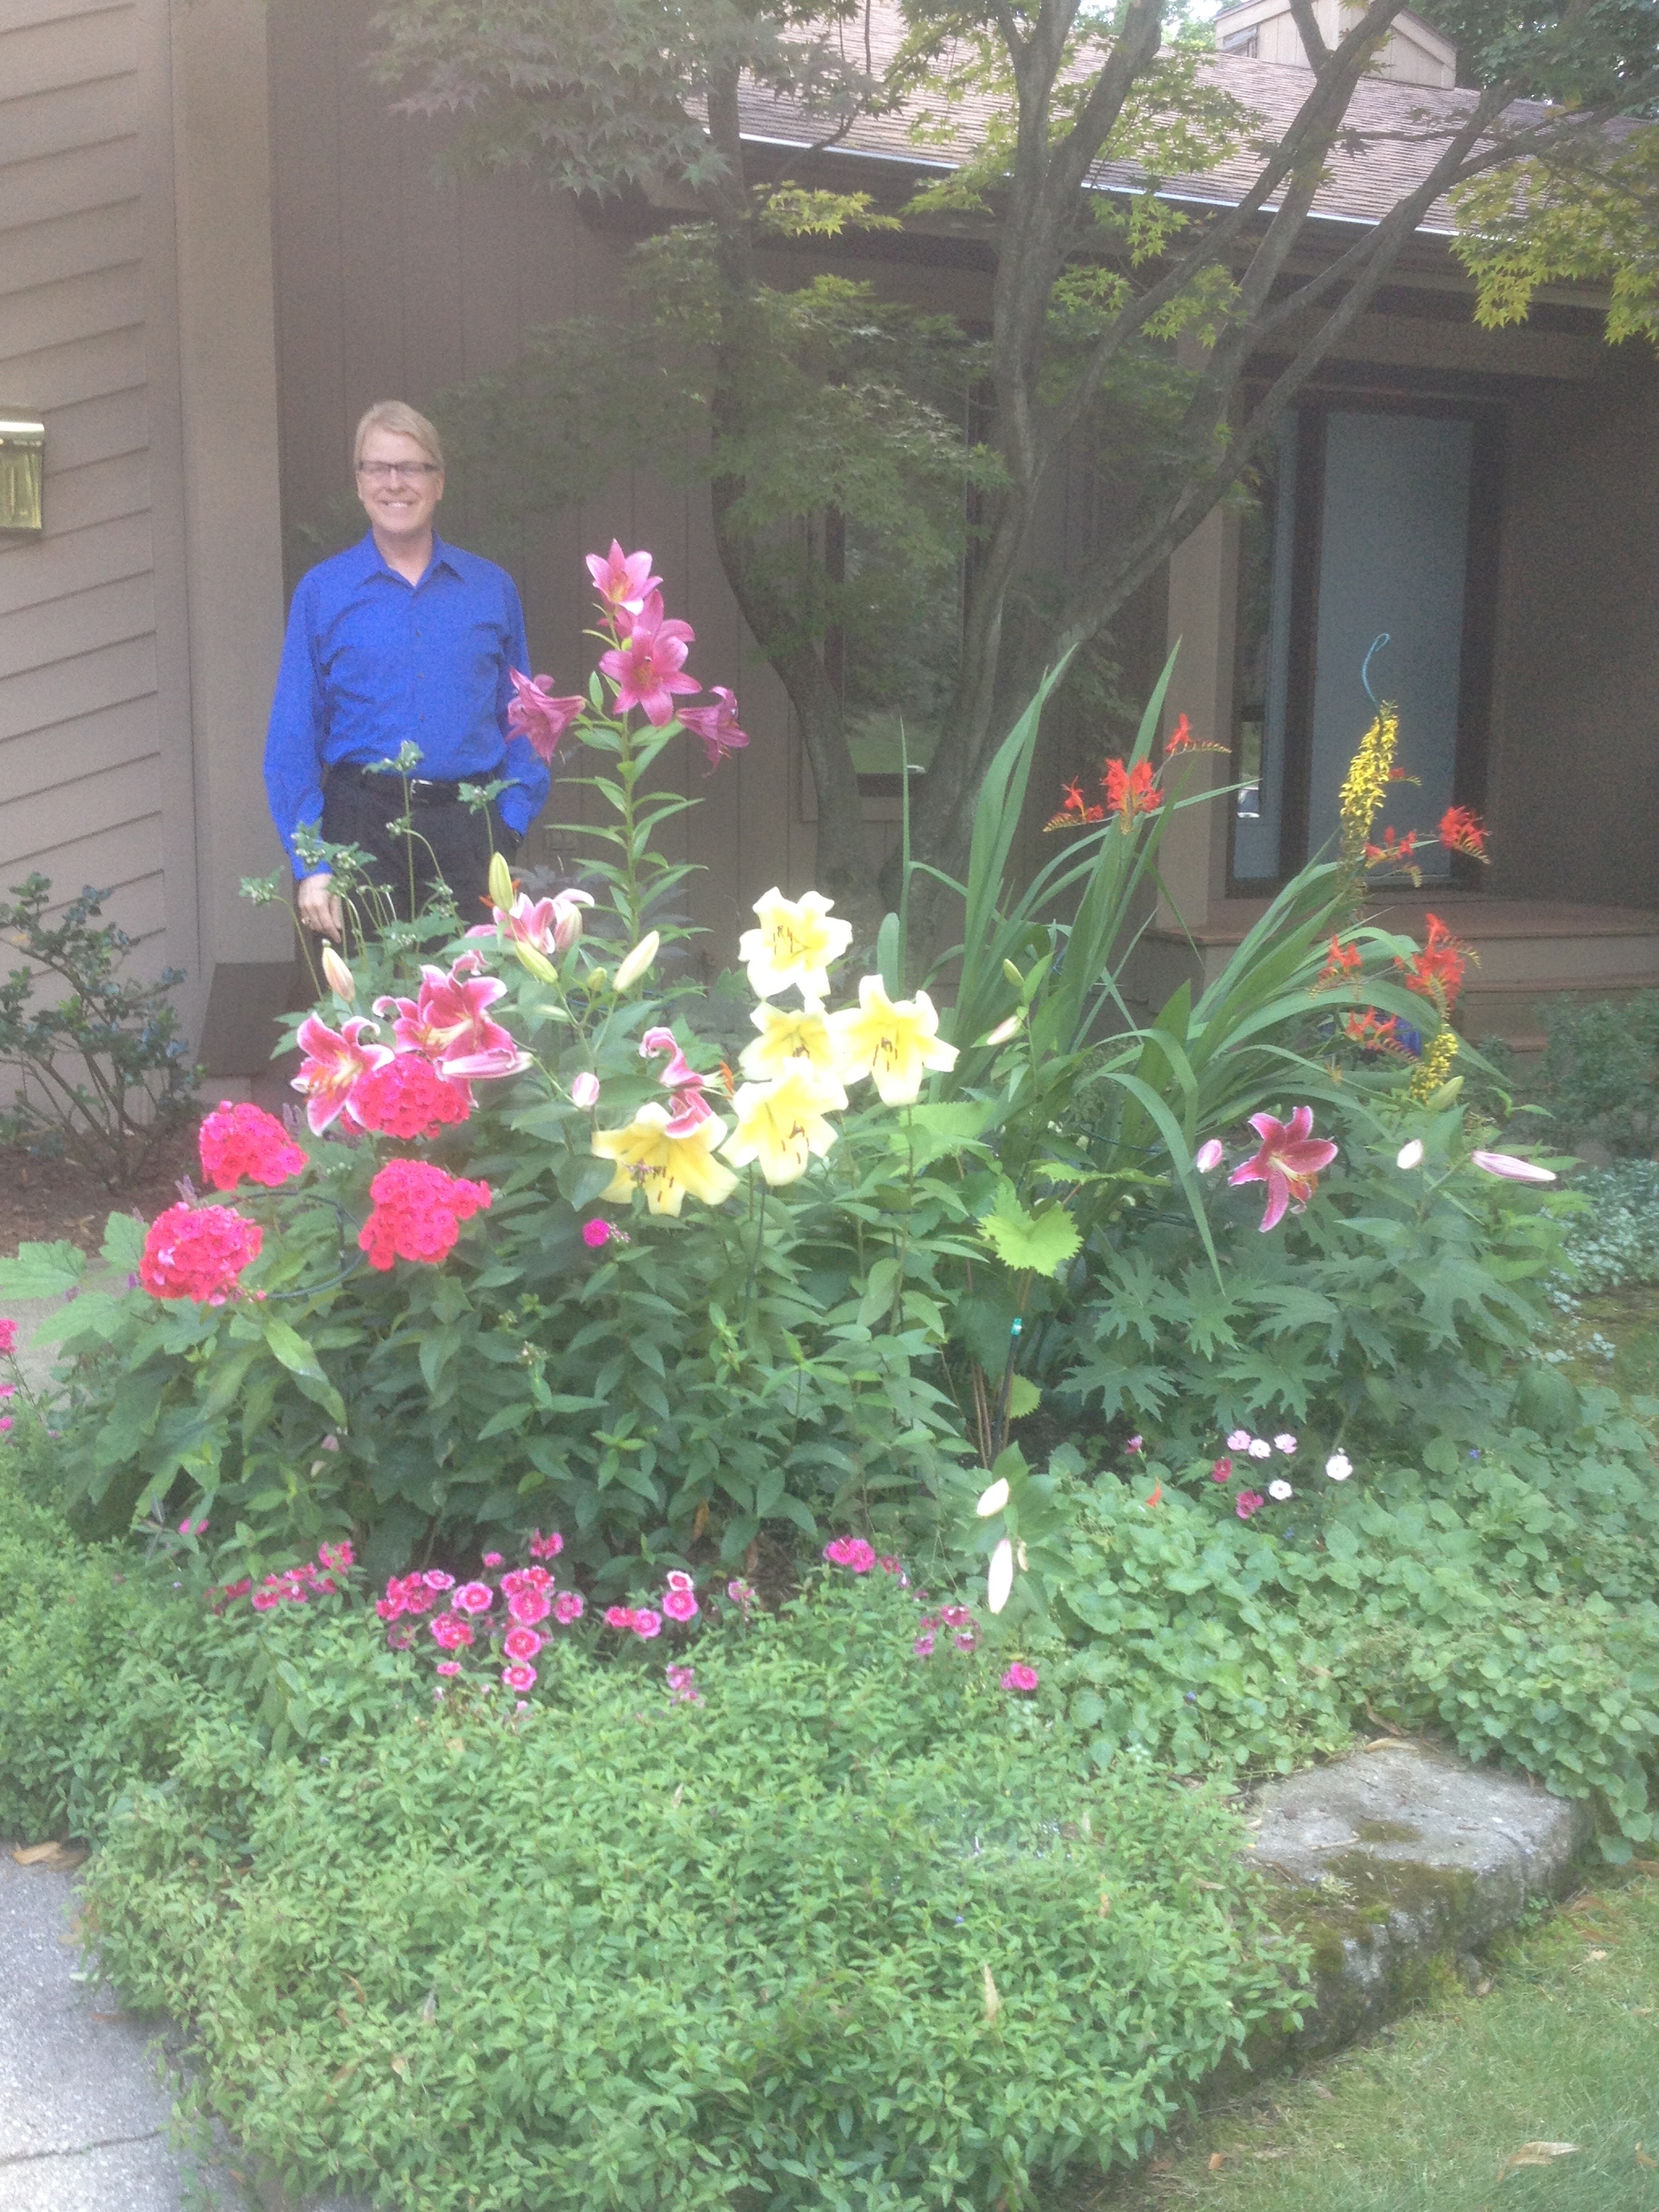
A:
(396, 415)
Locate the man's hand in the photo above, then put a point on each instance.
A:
(320, 910)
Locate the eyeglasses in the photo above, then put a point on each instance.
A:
(379, 470)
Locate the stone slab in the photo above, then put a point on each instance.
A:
(1395, 1858)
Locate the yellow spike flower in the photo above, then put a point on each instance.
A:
(894, 1041)
(795, 943)
(1434, 1067)
(789, 1041)
(1366, 786)
(782, 1124)
(665, 1167)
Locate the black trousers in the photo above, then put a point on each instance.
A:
(447, 842)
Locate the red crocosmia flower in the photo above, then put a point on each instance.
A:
(1366, 1028)
(243, 1139)
(1074, 814)
(408, 1097)
(449, 1022)
(1437, 971)
(197, 1252)
(417, 1212)
(1289, 1162)
(1180, 738)
(1131, 790)
(1394, 852)
(622, 580)
(1461, 831)
(534, 712)
(334, 1061)
(1342, 961)
(647, 667)
(717, 725)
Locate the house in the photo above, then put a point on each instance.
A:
(219, 245)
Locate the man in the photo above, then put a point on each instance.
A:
(400, 638)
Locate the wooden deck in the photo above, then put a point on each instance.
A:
(1527, 951)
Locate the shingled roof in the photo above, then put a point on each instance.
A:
(1401, 127)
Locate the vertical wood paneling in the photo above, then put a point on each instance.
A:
(77, 705)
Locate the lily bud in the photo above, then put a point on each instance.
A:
(1410, 1156)
(1209, 1156)
(1003, 1031)
(585, 1090)
(1013, 974)
(537, 962)
(339, 977)
(639, 960)
(1001, 1580)
(992, 1500)
(568, 918)
(500, 882)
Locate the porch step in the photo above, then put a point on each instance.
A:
(1515, 1012)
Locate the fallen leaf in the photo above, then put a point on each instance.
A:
(1483, 1987)
(1642, 2159)
(700, 1519)
(1643, 2012)
(344, 2073)
(1381, 1719)
(57, 1858)
(1320, 2090)
(1595, 1954)
(400, 2065)
(1535, 2154)
(993, 2001)
(429, 2009)
(106, 2019)
(1217, 2160)
(1646, 1866)
(1382, 1743)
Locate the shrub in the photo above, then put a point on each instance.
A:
(103, 1074)
(851, 1928)
(1600, 1072)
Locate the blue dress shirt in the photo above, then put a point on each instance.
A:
(371, 661)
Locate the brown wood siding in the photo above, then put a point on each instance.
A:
(79, 755)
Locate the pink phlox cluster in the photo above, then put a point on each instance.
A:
(534, 712)
(334, 1061)
(243, 1139)
(418, 1209)
(853, 1552)
(597, 1234)
(647, 663)
(197, 1252)
(717, 725)
(409, 1095)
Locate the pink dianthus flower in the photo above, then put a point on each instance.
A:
(451, 1631)
(521, 1642)
(473, 1597)
(519, 1677)
(852, 1552)
(1019, 1676)
(569, 1606)
(647, 1623)
(8, 1336)
(680, 1605)
(546, 1547)
(619, 1616)
(529, 1605)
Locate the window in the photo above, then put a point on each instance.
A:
(1371, 521)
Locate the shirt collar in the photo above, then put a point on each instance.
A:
(374, 561)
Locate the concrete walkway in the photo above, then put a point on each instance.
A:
(83, 2118)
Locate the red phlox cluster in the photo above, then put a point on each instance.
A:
(407, 1097)
(197, 1252)
(417, 1212)
(243, 1139)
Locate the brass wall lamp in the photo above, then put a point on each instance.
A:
(22, 470)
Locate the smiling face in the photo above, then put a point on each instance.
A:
(400, 506)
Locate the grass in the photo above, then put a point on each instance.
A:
(1563, 2048)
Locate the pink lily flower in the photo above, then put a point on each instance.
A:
(548, 925)
(534, 712)
(716, 725)
(624, 581)
(1512, 1169)
(447, 1022)
(1289, 1162)
(334, 1061)
(646, 667)
(691, 1107)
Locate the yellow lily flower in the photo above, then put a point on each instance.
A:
(795, 943)
(782, 1124)
(894, 1041)
(790, 1040)
(665, 1167)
